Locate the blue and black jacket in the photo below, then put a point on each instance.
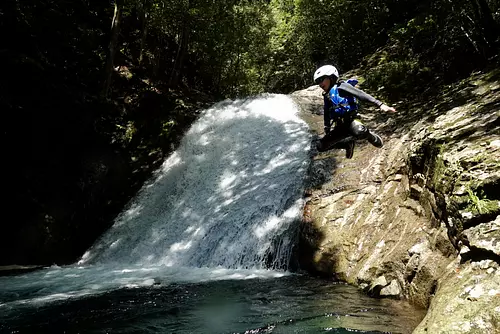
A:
(340, 102)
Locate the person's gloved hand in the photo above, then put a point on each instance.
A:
(386, 108)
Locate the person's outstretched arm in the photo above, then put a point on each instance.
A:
(348, 89)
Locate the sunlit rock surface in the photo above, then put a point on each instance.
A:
(418, 218)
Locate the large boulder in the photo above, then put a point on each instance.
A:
(417, 218)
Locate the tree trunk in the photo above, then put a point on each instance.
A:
(157, 56)
(144, 33)
(175, 76)
(113, 43)
(490, 26)
(486, 24)
(236, 74)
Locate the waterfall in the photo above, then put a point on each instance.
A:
(230, 196)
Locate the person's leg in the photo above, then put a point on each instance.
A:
(337, 136)
(375, 139)
(359, 130)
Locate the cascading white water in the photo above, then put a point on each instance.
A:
(225, 205)
(227, 197)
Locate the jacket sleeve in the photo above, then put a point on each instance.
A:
(346, 89)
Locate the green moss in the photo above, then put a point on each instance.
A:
(439, 169)
(479, 158)
(480, 204)
(455, 121)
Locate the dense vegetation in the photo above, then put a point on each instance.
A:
(94, 93)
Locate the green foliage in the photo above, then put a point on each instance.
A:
(399, 77)
(439, 45)
(406, 68)
(478, 203)
(309, 33)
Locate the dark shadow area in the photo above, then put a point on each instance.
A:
(476, 254)
(321, 170)
(73, 159)
(68, 171)
(17, 270)
(442, 98)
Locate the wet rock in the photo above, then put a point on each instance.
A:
(467, 301)
(420, 248)
(310, 100)
(419, 179)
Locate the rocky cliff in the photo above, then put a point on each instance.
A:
(419, 218)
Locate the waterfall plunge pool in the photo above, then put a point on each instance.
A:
(192, 300)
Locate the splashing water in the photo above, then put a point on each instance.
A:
(223, 206)
(227, 197)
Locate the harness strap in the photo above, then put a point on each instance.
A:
(345, 110)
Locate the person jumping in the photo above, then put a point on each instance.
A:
(340, 110)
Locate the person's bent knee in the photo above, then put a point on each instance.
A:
(358, 129)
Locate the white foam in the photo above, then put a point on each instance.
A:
(223, 206)
(229, 186)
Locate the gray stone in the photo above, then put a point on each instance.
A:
(420, 179)
(419, 248)
(392, 290)
(485, 236)
(466, 302)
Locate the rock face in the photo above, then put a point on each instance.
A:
(419, 218)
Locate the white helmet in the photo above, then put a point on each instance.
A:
(325, 71)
